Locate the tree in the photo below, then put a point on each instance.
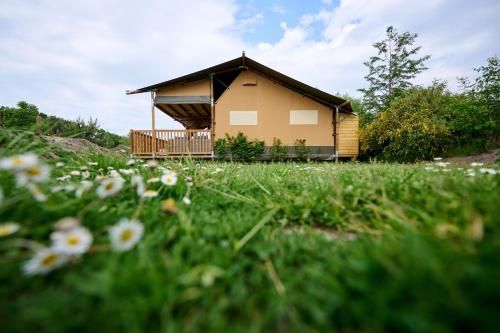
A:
(487, 84)
(391, 70)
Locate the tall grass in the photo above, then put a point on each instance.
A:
(281, 247)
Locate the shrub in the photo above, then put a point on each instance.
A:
(301, 150)
(221, 147)
(278, 150)
(240, 147)
(413, 128)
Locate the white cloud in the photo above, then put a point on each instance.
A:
(78, 58)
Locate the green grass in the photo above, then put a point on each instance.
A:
(264, 247)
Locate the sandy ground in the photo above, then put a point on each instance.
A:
(78, 145)
(490, 157)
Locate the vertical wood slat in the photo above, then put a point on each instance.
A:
(171, 142)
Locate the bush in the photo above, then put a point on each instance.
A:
(301, 150)
(413, 128)
(278, 150)
(240, 147)
(23, 117)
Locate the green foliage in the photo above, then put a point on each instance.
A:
(301, 150)
(240, 147)
(221, 148)
(390, 71)
(278, 150)
(24, 117)
(411, 129)
(365, 115)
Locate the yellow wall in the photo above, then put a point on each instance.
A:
(273, 103)
(196, 88)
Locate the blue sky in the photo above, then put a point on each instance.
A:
(268, 15)
(77, 58)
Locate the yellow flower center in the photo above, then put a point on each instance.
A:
(109, 186)
(73, 240)
(50, 260)
(5, 230)
(33, 171)
(18, 160)
(127, 234)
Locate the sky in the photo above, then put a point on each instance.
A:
(77, 58)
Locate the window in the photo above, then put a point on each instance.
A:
(243, 117)
(303, 117)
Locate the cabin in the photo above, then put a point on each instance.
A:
(242, 95)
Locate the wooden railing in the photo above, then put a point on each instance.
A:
(171, 142)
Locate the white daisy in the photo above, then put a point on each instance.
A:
(438, 158)
(74, 241)
(126, 234)
(37, 193)
(84, 168)
(115, 174)
(67, 188)
(63, 178)
(153, 180)
(186, 201)
(169, 178)
(476, 164)
(110, 187)
(67, 223)
(150, 194)
(153, 163)
(44, 260)
(85, 185)
(488, 171)
(131, 162)
(93, 163)
(75, 173)
(19, 162)
(126, 171)
(139, 182)
(100, 178)
(60, 164)
(7, 229)
(33, 174)
(85, 174)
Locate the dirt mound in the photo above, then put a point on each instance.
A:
(77, 145)
(490, 157)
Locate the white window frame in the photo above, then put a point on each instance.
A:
(243, 118)
(303, 117)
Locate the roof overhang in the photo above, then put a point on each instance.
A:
(245, 63)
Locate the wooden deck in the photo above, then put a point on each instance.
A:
(171, 143)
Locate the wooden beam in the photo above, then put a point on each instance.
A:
(212, 113)
(153, 132)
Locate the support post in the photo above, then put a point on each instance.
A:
(153, 130)
(336, 133)
(212, 114)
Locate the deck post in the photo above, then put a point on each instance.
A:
(153, 130)
(212, 114)
(336, 133)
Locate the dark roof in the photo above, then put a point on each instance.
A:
(243, 63)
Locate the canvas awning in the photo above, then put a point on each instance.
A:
(190, 111)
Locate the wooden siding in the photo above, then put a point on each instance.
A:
(348, 135)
